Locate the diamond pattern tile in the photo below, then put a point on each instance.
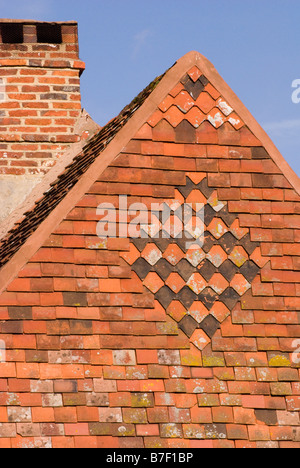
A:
(131, 256)
(198, 311)
(238, 256)
(216, 256)
(174, 116)
(173, 254)
(195, 255)
(151, 254)
(196, 283)
(217, 228)
(184, 101)
(153, 282)
(240, 284)
(207, 270)
(194, 73)
(197, 277)
(200, 339)
(175, 282)
(210, 325)
(196, 197)
(224, 107)
(193, 88)
(216, 118)
(176, 310)
(187, 297)
(258, 258)
(188, 325)
(173, 226)
(220, 311)
(237, 231)
(195, 117)
(218, 283)
(205, 103)
(215, 203)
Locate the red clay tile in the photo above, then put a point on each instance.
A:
(240, 284)
(196, 283)
(196, 196)
(196, 177)
(194, 73)
(224, 107)
(151, 254)
(200, 339)
(198, 311)
(215, 203)
(174, 116)
(195, 255)
(238, 256)
(166, 104)
(217, 228)
(216, 118)
(220, 311)
(184, 101)
(205, 103)
(216, 256)
(131, 256)
(173, 254)
(175, 282)
(153, 282)
(155, 118)
(258, 258)
(218, 283)
(237, 231)
(195, 117)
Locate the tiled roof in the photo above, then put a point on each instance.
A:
(67, 180)
(147, 342)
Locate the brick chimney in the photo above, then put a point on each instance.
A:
(40, 102)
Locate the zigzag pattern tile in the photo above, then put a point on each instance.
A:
(192, 102)
(205, 271)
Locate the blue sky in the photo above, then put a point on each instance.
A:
(254, 44)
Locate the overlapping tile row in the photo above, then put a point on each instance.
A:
(94, 355)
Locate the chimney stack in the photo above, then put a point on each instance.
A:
(40, 102)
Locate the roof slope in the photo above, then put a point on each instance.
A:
(28, 235)
(68, 179)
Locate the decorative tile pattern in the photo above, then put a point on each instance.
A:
(103, 328)
(198, 284)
